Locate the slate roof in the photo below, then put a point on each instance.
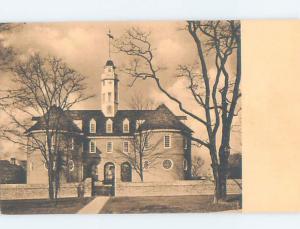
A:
(160, 118)
(58, 118)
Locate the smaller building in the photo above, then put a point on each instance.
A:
(11, 172)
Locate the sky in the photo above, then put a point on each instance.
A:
(84, 47)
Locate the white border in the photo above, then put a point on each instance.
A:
(91, 10)
(114, 10)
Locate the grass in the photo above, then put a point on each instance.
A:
(44, 206)
(169, 204)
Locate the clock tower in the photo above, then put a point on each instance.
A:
(109, 90)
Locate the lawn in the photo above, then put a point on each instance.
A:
(44, 206)
(169, 204)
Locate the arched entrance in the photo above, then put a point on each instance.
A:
(126, 175)
(109, 173)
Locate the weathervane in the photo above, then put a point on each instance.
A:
(109, 37)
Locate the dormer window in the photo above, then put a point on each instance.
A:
(109, 126)
(126, 126)
(139, 123)
(93, 126)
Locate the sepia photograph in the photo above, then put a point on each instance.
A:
(121, 117)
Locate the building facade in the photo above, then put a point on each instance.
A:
(107, 144)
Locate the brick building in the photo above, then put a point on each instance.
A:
(100, 141)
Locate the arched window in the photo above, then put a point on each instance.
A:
(93, 126)
(126, 175)
(71, 165)
(109, 172)
(109, 126)
(126, 126)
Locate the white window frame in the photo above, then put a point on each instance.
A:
(95, 146)
(93, 122)
(170, 141)
(112, 147)
(185, 142)
(185, 164)
(125, 142)
(73, 167)
(52, 141)
(138, 123)
(126, 122)
(72, 143)
(109, 122)
(146, 142)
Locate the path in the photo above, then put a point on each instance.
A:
(95, 206)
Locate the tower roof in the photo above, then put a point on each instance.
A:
(110, 63)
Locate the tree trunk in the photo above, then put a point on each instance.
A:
(141, 171)
(50, 183)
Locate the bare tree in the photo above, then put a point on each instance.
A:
(44, 88)
(197, 163)
(7, 54)
(141, 154)
(139, 102)
(217, 44)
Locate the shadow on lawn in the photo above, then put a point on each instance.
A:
(44, 206)
(169, 204)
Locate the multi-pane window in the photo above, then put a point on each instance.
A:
(126, 126)
(167, 141)
(109, 126)
(167, 164)
(109, 147)
(93, 126)
(92, 146)
(125, 146)
(146, 142)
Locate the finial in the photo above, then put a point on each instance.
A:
(109, 37)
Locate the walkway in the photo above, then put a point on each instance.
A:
(95, 206)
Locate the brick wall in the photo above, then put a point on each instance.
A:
(40, 191)
(36, 170)
(155, 172)
(178, 188)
